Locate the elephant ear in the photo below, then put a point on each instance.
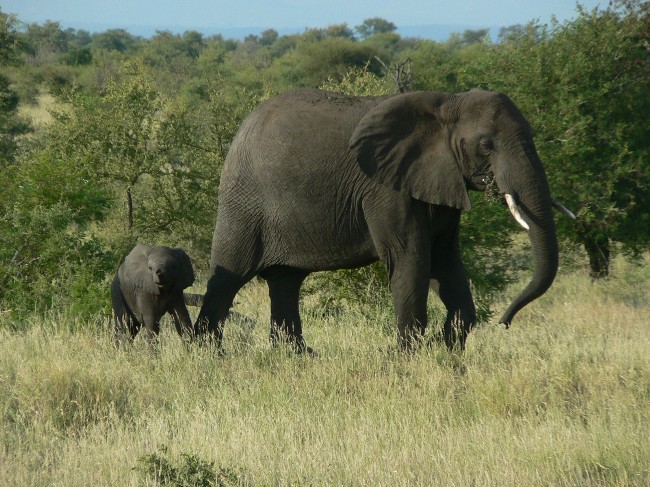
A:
(135, 269)
(403, 143)
(185, 277)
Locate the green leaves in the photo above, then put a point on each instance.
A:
(192, 471)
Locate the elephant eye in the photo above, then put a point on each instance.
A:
(485, 147)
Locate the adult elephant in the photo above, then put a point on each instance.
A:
(320, 181)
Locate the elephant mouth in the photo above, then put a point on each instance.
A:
(484, 182)
(487, 184)
(161, 283)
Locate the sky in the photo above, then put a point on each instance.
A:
(212, 15)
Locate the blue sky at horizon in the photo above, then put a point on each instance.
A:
(288, 14)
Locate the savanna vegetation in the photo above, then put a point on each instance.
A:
(107, 139)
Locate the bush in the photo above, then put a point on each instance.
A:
(190, 472)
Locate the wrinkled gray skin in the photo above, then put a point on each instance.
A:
(317, 181)
(148, 284)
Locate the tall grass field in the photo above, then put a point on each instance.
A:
(561, 399)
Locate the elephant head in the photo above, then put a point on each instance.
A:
(157, 269)
(436, 146)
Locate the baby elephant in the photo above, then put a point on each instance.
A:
(149, 284)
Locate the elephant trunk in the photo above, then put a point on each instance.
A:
(531, 195)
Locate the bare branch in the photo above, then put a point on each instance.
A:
(400, 74)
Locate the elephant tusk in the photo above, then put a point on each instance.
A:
(563, 209)
(516, 212)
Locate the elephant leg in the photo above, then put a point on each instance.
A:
(151, 326)
(182, 320)
(125, 329)
(409, 284)
(455, 294)
(448, 272)
(284, 290)
(123, 326)
(221, 291)
(178, 325)
(126, 326)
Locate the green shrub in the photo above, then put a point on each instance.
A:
(191, 471)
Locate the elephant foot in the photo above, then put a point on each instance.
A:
(453, 341)
(306, 350)
(410, 339)
(296, 343)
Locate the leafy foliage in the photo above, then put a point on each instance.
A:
(143, 126)
(312, 63)
(359, 82)
(11, 124)
(8, 38)
(191, 472)
(374, 26)
(46, 250)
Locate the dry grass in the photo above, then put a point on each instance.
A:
(39, 114)
(562, 398)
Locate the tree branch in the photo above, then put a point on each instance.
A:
(400, 74)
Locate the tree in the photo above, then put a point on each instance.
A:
(45, 43)
(334, 30)
(436, 66)
(193, 43)
(8, 39)
(468, 37)
(511, 32)
(47, 206)
(129, 164)
(114, 40)
(312, 63)
(11, 125)
(124, 139)
(268, 37)
(375, 25)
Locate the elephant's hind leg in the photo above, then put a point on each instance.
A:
(284, 290)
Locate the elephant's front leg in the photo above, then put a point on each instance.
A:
(448, 271)
(126, 327)
(151, 326)
(454, 292)
(409, 284)
(149, 314)
(182, 319)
